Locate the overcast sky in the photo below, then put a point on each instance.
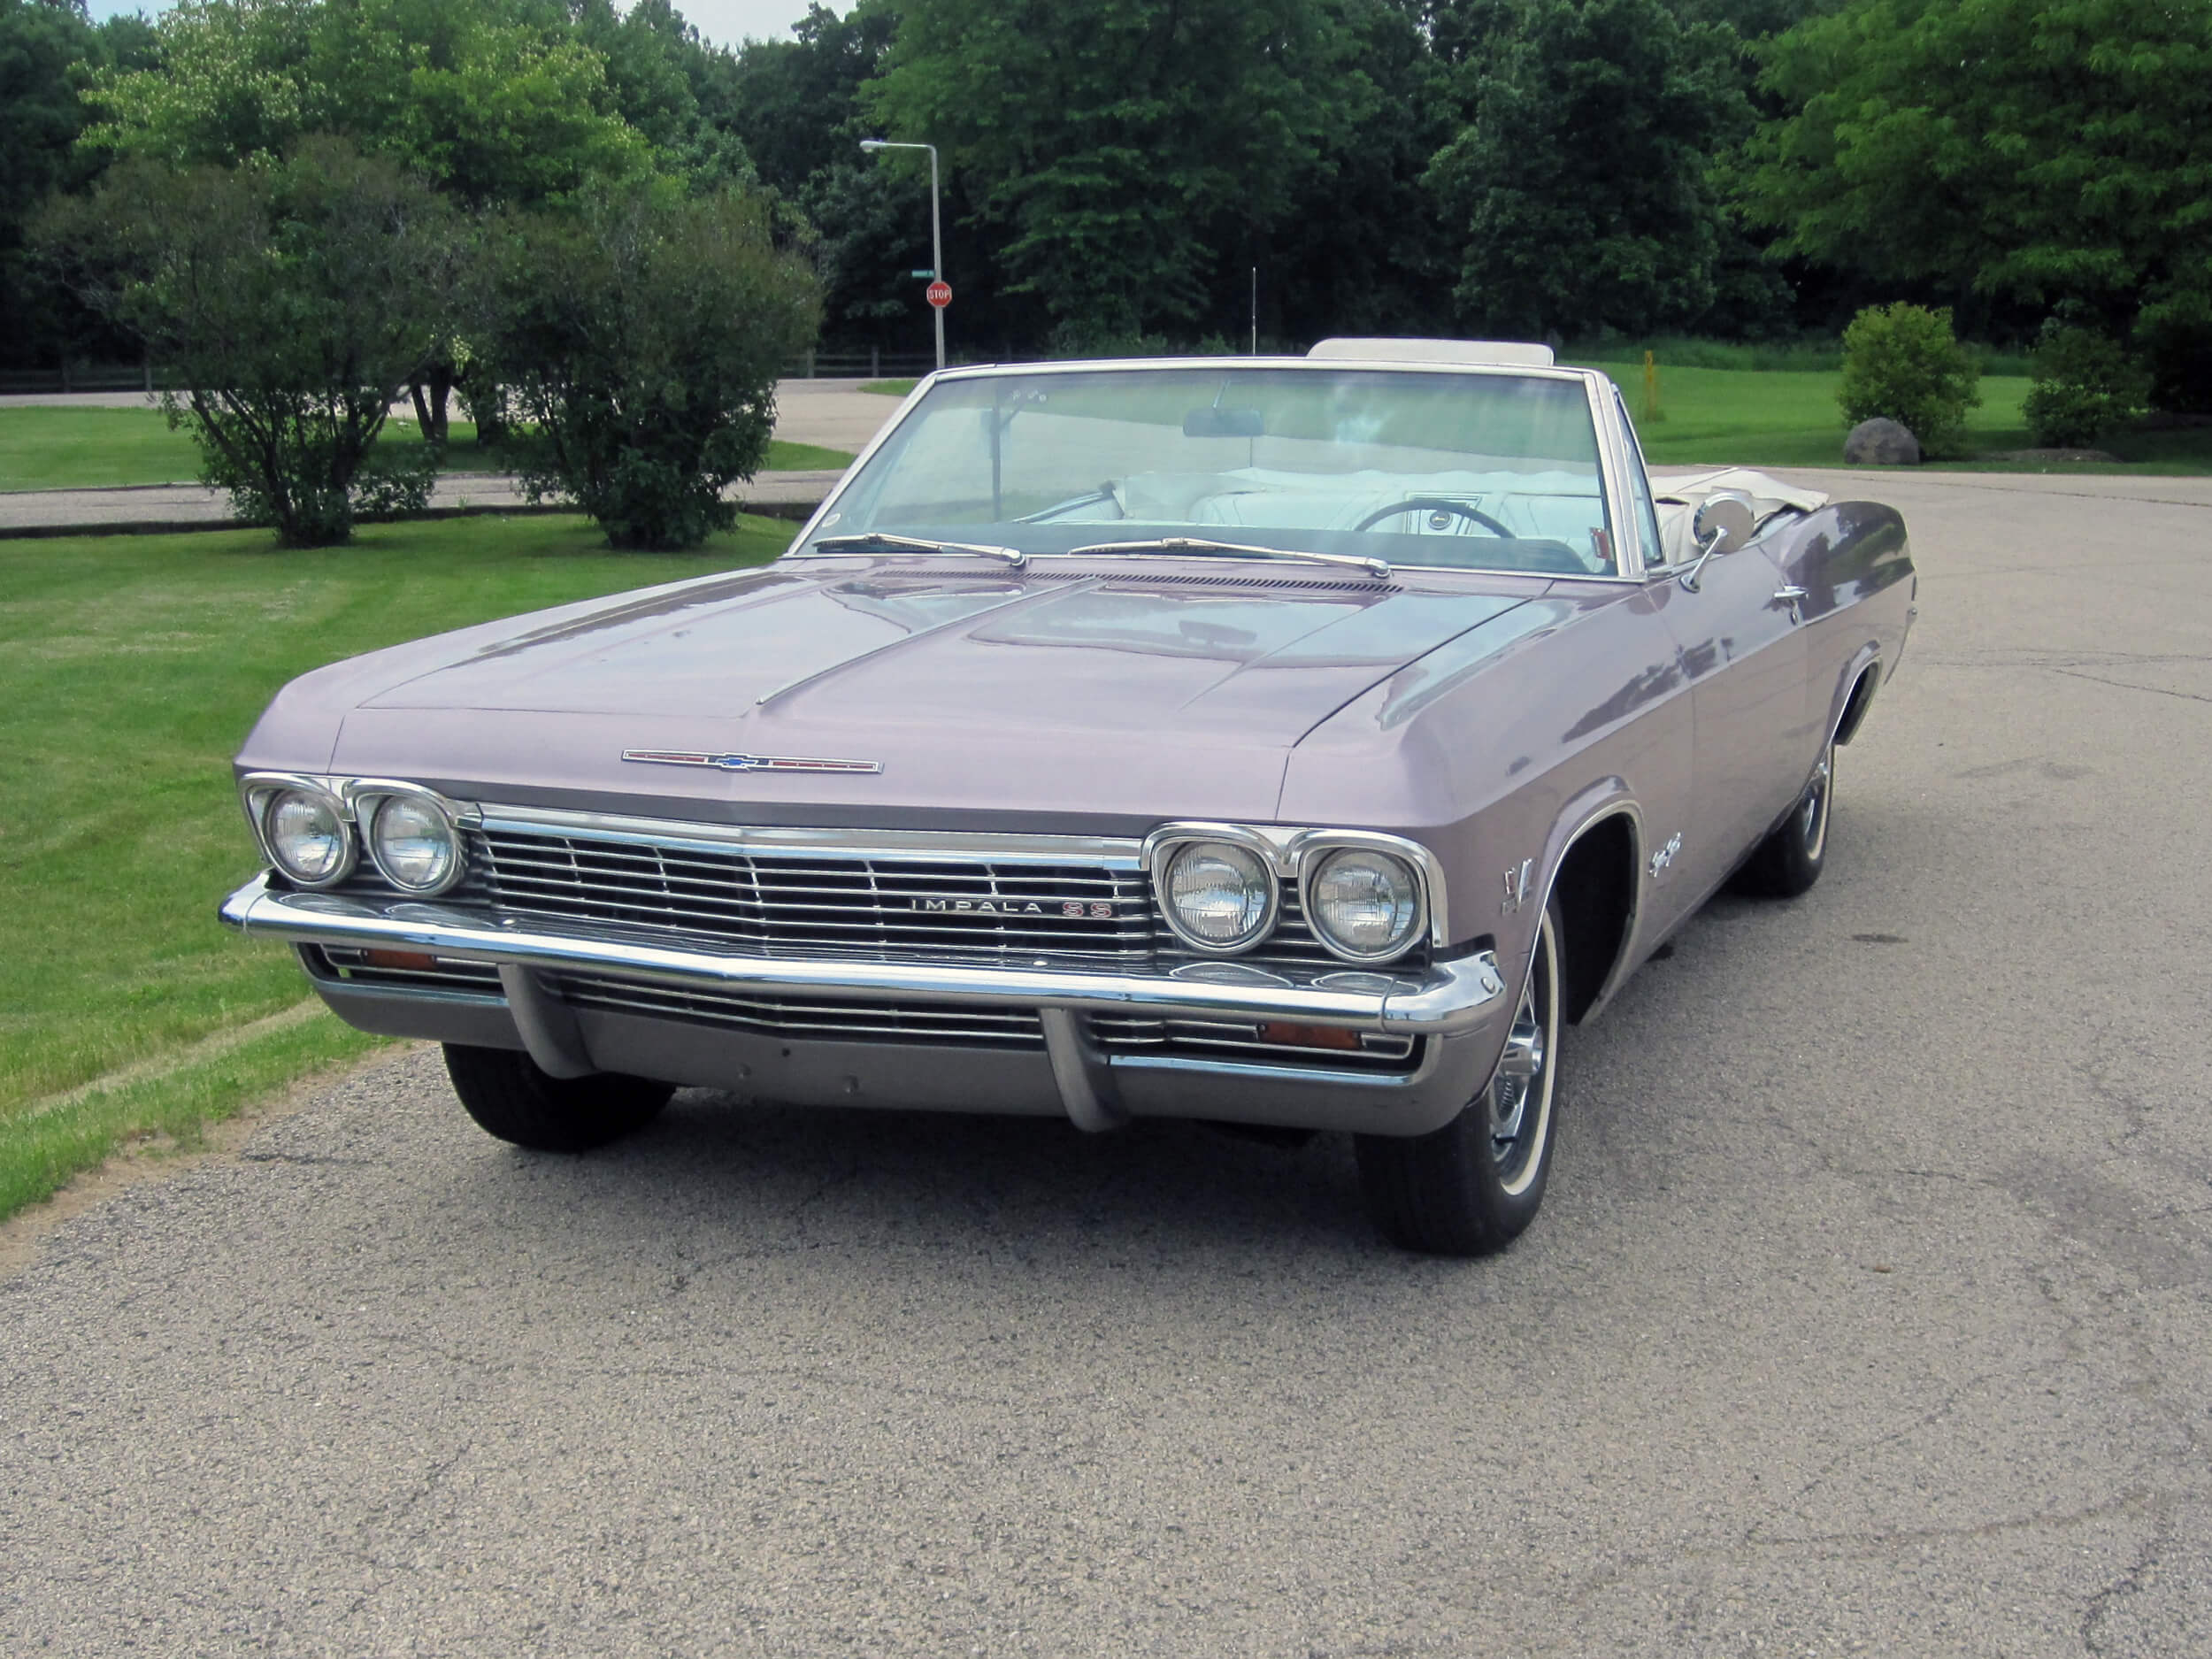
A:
(725, 22)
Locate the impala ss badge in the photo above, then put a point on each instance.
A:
(746, 763)
(1664, 856)
(1094, 910)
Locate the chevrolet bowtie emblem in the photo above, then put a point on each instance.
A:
(746, 763)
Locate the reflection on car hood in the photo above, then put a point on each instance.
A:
(968, 688)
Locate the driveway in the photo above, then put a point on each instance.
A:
(1870, 1310)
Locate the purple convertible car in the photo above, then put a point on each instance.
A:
(1296, 742)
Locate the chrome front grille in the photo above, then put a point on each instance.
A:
(842, 905)
(778, 1016)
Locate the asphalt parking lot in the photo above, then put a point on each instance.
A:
(1870, 1310)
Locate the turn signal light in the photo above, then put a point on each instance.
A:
(412, 961)
(1308, 1036)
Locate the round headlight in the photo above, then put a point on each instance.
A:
(1365, 905)
(306, 837)
(413, 844)
(1219, 896)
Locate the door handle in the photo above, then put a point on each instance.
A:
(1793, 597)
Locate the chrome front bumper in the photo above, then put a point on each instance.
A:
(1460, 1007)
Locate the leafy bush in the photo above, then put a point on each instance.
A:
(294, 299)
(2174, 333)
(1903, 361)
(642, 335)
(2084, 385)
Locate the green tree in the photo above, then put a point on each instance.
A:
(1131, 149)
(1579, 190)
(2032, 151)
(295, 298)
(796, 103)
(491, 100)
(642, 333)
(46, 46)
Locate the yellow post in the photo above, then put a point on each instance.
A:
(1651, 389)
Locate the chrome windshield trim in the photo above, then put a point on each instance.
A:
(1464, 995)
(1111, 852)
(1201, 547)
(831, 508)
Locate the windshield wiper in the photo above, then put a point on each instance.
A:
(1379, 569)
(874, 541)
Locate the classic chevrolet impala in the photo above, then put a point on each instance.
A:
(1297, 743)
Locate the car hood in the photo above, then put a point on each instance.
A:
(1161, 693)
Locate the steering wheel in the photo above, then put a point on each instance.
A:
(1435, 503)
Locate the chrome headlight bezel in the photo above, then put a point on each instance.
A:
(1165, 849)
(1315, 866)
(371, 800)
(354, 803)
(264, 795)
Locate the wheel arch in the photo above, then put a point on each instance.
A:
(1855, 692)
(1592, 875)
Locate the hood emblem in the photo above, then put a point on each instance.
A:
(746, 763)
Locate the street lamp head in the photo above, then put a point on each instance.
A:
(873, 143)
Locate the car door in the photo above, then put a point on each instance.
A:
(1743, 654)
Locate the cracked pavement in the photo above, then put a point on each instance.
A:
(1870, 1310)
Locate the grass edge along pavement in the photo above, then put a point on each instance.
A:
(133, 667)
(47, 446)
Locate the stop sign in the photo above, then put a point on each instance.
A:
(938, 294)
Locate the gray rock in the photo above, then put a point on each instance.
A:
(1881, 441)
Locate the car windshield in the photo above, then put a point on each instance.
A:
(1480, 470)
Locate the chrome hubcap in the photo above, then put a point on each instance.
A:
(1520, 1091)
(1812, 811)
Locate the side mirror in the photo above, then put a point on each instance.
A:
(1724, 522)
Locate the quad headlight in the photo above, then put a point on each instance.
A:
(413, 843)
(1364, 904)
(1218, 896)
(307, 836)
(317, 830)
(1367, 898)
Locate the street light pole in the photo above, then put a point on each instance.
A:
(936, 232)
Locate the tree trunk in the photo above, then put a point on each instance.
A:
(422, 409)
(441, 390)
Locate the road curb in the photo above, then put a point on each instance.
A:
(797, 511)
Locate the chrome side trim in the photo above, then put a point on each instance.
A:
(1464, 995)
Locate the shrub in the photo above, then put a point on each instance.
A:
(1903, 361)
(293, 300)
(2174, 333)
(2084, 385)
(642, 336)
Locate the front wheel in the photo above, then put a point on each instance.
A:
(510, 1098)
(1470, 1187)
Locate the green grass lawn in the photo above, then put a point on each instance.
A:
(132, 667)
(87, 449)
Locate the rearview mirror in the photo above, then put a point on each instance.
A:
(1217, 422)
